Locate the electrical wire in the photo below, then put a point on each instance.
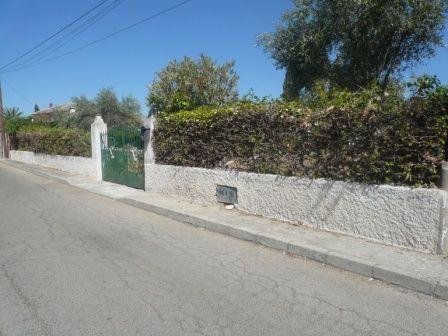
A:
(169, 9)
(53, 35)
(70, 36)
(15, 90)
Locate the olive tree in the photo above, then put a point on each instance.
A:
(115, 112)
(353, 43)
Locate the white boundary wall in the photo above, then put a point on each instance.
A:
(70, 164)
(411, 218)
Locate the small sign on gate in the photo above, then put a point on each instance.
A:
(226, 194)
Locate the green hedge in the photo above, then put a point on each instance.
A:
(383, 141)
(53, 140)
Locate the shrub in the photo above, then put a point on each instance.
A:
(189, 84)
(13, 125)
(377, 140)
(53, 140)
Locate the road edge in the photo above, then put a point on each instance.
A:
(434, 286)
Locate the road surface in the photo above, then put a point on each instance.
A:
(73, 263)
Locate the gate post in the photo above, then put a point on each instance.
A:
(147, 138)
(98, 126)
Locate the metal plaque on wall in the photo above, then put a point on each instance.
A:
(226, 194)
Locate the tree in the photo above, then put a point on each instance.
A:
(118, 113)
(85, 113)
(353, 43)
(190, 83)
(12, 113)
(36, 108)
(115, 112)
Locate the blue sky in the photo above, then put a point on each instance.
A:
(225, 30)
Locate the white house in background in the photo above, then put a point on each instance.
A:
(49, 113)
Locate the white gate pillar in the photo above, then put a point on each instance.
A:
(98, 126)
(148, 140)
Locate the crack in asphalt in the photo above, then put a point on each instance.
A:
(42, 326)
(177, 278)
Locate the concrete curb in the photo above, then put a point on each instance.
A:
(47, 176)
(438, 289)
(427, 280)
(195, 221)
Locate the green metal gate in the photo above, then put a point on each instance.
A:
(122, 157)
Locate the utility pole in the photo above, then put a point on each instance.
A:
(2, 128)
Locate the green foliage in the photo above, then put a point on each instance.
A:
(324, 95)
(189, 84)
(64, 119)
(115, 112)
(40, 138)
(12, 113)
(353, 43)
(366, 136)
(44, 137)
(12, 125)
(86, 111)
(124, 113)
(36, 108)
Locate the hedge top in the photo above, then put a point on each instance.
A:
(365, 137)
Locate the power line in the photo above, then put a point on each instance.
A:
(53, 35)
(16, 91)
(107, 36)
(71, 35)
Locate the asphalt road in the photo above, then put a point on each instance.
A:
(73, 263)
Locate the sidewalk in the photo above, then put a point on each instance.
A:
(423, 273)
